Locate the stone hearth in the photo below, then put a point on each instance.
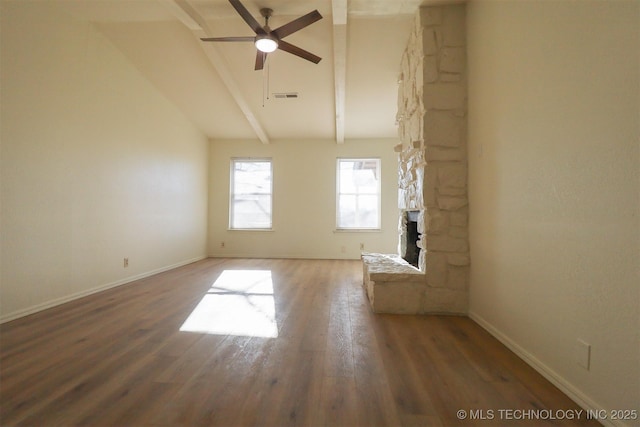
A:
(432, 123)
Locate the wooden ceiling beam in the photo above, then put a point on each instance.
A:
(186, 14)
(339, 11)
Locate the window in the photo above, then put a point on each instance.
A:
(358, 198)
(250, 194)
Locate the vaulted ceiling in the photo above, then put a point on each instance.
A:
(350, 94)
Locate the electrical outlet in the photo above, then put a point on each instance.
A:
(343, 249)
(126, 263)
(583, 354)
(222, 244)
(361, 246)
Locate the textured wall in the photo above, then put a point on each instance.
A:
(304, 200)
(96, 165)
(554, 163)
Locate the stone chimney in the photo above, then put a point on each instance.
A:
(432, 124)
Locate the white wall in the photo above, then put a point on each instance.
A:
(554, 188)
(96, 165)
(304, 196)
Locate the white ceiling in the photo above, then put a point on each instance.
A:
(215, 85)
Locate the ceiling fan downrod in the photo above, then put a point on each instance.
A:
(266, 14)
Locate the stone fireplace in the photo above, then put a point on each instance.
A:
(432, 275)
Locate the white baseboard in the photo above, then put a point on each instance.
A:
(54, 302)
(584, 401)
(280, 256)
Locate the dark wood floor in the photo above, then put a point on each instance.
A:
(119, 358)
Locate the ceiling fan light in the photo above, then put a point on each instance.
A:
(266, 44)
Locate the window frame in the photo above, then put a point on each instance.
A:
(232, 193)
(378, 194)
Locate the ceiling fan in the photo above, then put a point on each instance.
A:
(268, 40)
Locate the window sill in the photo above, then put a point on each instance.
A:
(357, 230)
(252, 229)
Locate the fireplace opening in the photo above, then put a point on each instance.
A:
(412, 251)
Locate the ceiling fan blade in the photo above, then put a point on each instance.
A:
(261, 58)
(295, 50)
(228, 39)
(248, 18)
(297, 24)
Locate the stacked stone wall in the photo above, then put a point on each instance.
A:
(432, 124)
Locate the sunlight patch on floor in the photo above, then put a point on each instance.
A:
(240, 302)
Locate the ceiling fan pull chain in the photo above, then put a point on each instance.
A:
(268, 80)
(265, 84)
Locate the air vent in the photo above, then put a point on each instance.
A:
(285, 95)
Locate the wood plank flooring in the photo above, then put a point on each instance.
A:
(119, 358)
